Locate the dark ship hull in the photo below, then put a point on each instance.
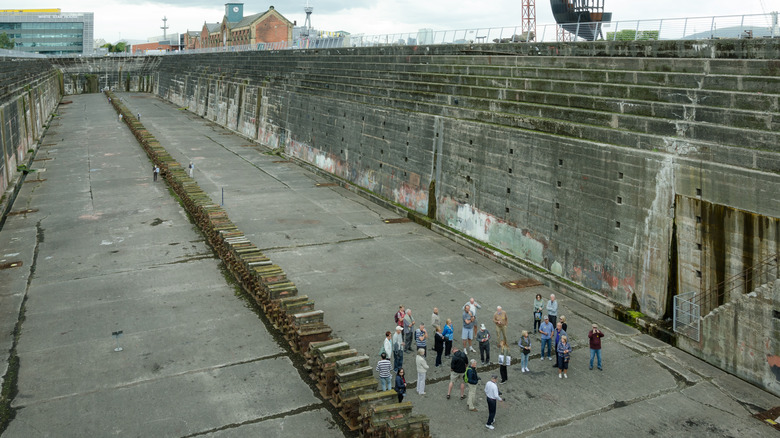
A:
(582, 18)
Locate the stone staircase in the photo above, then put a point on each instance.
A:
(564, 156)
(727, 113)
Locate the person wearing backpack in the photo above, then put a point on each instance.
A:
(399, 315)
(471, 377)
(457, 368)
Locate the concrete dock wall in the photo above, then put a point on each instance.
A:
(94, 74)
(29, 93)
(570, 156)
(30, 90)
(632, 171)
(742, 337)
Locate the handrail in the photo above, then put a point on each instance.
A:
(711, 27)
(694, 28)
(713, 297)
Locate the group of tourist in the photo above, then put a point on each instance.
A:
(412, 337)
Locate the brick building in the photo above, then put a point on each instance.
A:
(236, 30)
(191, 40)
(155, 46)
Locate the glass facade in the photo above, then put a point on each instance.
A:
(50, 33)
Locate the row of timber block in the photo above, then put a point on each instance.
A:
(343, 376)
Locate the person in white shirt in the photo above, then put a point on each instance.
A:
(473, 305)
(422, 369)
(387, 346)
(491, 391)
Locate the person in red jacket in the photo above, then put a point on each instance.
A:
(595, 336)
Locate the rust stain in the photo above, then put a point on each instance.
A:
(28, 210)
(398, 220)
(769, 417)
(521, 283)
(10, 265)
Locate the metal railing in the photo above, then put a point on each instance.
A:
(690, 306)
(714, 27)
(693, 28)
(687, 316)
(20, 54)
(765, 271)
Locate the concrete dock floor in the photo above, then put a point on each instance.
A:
(108, 249)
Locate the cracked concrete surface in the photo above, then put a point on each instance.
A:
(189, 343)
(336, 248)
(109, 250)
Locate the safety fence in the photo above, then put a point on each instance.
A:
(687, 316)
(687, 28)
(694, 28)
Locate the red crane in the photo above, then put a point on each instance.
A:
(529, 20)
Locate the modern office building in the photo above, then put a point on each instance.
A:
(49, 31)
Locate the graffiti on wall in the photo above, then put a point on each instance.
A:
(267, 135)
(605, 278)
(774, 365)
(400, 191)
(534, 247)
(488, 228)
(411, 197)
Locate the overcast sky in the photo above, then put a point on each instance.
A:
(140, 20)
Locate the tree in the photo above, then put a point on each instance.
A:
(119, 47)
(5, 42)
(633, 35)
